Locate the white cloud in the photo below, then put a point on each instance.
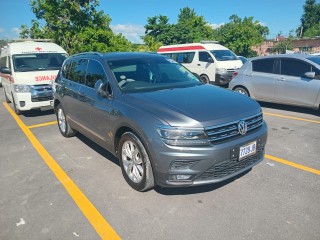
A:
(130, 31)
(15, 30)
(216, 25)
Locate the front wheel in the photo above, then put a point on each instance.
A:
(242, 90)
(135, 163)
(205, 79)
(15, 108)
(63, 124)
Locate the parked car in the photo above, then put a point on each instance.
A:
(292, 79)
(165, 126)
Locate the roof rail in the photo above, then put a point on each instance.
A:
(208, 41)
(32, 40)
(95, 53)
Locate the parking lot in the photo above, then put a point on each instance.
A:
(58, 188)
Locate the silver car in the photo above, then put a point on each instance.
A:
(165, 126)
(292, 79)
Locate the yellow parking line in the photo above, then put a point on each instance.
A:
(42, 124)
(294, 118)
(292, 164)
(104, 230)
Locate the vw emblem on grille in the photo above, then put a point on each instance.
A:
(242, 127)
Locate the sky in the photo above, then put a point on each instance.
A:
(130, 16)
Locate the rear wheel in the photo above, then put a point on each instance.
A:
(63, 124)
(242, 90)
(15, 108)
(135, 163)
(205, 79)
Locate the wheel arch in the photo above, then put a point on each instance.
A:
(241, 86)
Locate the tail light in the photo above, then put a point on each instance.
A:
(234, 74)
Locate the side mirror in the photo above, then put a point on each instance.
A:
(311, 75)
(100, 88)
(5, 70)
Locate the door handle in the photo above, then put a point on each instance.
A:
(281, 79)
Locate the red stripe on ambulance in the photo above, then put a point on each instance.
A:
(184, 48)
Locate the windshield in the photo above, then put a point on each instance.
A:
(224, 55)
(150, 74)
(38, 61)
(315, 60)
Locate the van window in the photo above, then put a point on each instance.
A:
(3, 62)
(224, 55)
(95, 72)
(78, 70)
(264, 65)
(292, 67)
(204, 57)
(38, 61)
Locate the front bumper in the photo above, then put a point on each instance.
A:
(206, 165)
(223, 79)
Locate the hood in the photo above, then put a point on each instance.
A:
(35, 78)
(231, 64)
(198, 106)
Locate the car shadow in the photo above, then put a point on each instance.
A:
(37, 113)
(197, 189)
(290, 108)
(100, 150)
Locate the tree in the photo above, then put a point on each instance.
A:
(189, 28)
(310, 19)
(241, 34)
(76, 25)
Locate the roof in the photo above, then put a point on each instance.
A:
(191, 47)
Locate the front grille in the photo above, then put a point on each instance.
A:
(230, 166)
(221, 133)
(41, 93)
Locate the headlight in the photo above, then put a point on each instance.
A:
(183, 137)
(221, 70)
(22, 88)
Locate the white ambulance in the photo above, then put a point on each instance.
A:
(211, 61)
(28, 68)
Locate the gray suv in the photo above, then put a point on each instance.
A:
(165, 126)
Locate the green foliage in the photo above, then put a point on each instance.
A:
(310, 20)
(189, 28)
(76, 25)
(151, 45)
(241, 34)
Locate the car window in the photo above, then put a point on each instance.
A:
(78, 70)
(293, 67)
(95, 72)
(204, 56)
(65, 69)
(263, 65)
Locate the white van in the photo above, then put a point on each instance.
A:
(213, 62)
(28, 68)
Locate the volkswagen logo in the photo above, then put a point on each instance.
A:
(242, 127)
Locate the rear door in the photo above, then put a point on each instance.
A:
(293, 87)
(261, 79)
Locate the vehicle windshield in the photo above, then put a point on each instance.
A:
(224, 55)
(151, 74)
(38, 61)
(315, 60)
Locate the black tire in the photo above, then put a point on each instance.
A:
(242, 90)
(205, 79)
(5, 96)
(135, 163)
(16, 110)
(63, 124)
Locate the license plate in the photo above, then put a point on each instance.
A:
(247, 150)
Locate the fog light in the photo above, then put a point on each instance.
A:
(22, 103)
(179, 177)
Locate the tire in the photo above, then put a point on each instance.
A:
(242, 90)
(135, 163)
(63, 124)
(205, 79)
(5, 96)
(16, 110)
